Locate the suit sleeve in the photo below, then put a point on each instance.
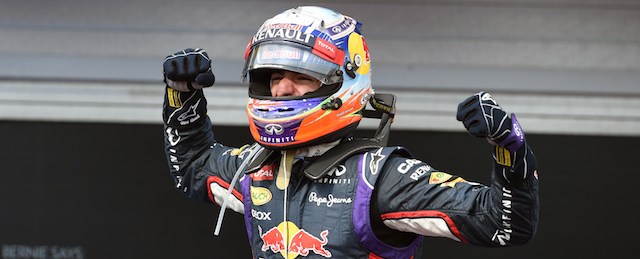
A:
(201, 167)
(416, 198)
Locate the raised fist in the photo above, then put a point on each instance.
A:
(483, 117)
(188, 70)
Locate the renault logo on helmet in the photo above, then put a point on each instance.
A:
(272, 129)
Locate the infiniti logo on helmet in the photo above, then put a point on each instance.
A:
(272, 129)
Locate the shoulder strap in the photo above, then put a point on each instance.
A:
(321, 166)
(261, 158)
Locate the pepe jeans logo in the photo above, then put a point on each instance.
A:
(328, 200)
(272, 129)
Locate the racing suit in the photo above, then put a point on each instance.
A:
(375, 204)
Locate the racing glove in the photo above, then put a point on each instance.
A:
(483, 117)
(185, 73)
(188, 70)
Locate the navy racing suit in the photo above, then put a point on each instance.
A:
(375, 204)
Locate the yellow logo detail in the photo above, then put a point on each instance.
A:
(503, 156)
(438, 177)
(173, 98)
(260, 195)
(292, 241)
(237, 151)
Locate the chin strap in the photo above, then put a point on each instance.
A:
(384, 106)
(284, 173)
(282, 182)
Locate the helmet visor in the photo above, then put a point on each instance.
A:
(292, 57)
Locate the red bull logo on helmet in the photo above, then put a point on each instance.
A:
(291, 242)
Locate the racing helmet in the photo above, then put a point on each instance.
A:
(318, 42)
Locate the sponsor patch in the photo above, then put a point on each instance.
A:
(328, 200)
(237, 151)
(408, 164)
(190, 115)
(375, 161)
(260, 215)
(173, 98)
(334, 176)
(290, 241)
(260, 195)
(264, 174)
(503, 156)
(438, 177)
(291, 33)
(270, 54)
(420, 172)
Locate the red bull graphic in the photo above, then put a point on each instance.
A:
(272, 239)
(303, 242)
(298, 241)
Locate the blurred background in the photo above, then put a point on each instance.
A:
(82, 168)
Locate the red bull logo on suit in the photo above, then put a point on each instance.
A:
(290, 241)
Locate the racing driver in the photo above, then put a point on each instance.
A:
(307, 187)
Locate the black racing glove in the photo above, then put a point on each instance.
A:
(483, 117)
(188, 70)
(185, 74)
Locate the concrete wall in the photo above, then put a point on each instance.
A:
(565, 67)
